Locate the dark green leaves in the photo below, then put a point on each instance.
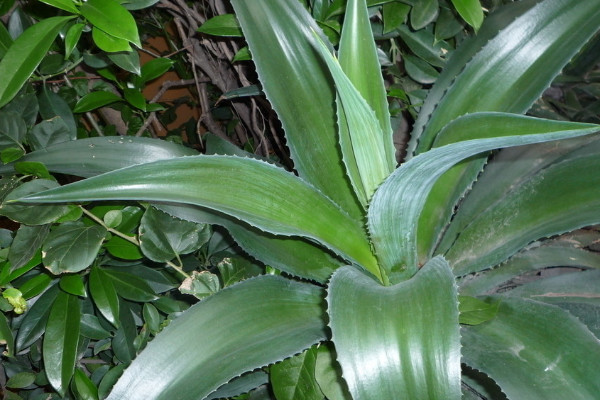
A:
(24, 55)
(399, 341)
(60, 341)
(112, 19)
(72, 247)
(222, 25)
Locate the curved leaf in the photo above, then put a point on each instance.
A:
(104, 295)
(396, 206)
(262, 198)
(401, 341)
(25, 54)
(260, 321)
(34, 321)
(549, 346)
(561, 198)
(284, 54)
(112, 18)
(93, 156)
(294, 378)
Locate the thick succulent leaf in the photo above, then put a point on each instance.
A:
(293, 255)
(286, 61)
(262, 198)
(401, 341)
(329, 374)
(395, 210)
(257, 322)
(542, 342)
(359, 61)
(575, 287)
(93, 156)
(561, 198)
(537, 258)
(507, 69)
(362, 141)
(241, 385)
(452, 185)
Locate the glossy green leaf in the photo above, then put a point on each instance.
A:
(222, 25)
(395, 210)
(104, 295)
(255, 182)
(422, 44)
(121, 248)
(155, 68)
(72, 38)
(127, 60)
(470, 11)
(163, 238)
(151, 317)
(35, 286)
(109, 43)
(29, 214)
(423, 13)
(84, 387)
(27, 242)
(25, 54)
(549, 346)
(200, 284)
(92, 328)
(243, 54)
(34, 321)
(359, 61)
(261, 321)
(508, 71)
(123, 341)
(11, 154)
(60, 341)
(294, 378)
(364, 149)
(73, 284)
(93, 156)
(419, 70)
(285, 49)
(561, 198)
(72, 247)
(95, 100)
(137, 4)
(394, 15)
(66, 5)
(7, 339)
(400, 341)
(329, 374)
(241, 385)
(112, 18)
(129, 286)
(135, 98)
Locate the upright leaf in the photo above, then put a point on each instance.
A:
(60, 341)
(294, 378)
(261, 321)
(470, 11)
(25, 54)
(359, 61)
(284, 55)
(104, 295)
(262, 198)
(401, 341)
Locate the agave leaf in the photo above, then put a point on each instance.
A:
(283, 51)
(561, 198)
(359, 61)
(293, 255)
(401, 341)
(262, 198)
(93, 156)
(552, 255)
(508, 74)
(362, 141)
(396, 206)
(261, 321)
(452, 185)
(549, 346)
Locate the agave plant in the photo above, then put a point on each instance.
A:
(391, 273)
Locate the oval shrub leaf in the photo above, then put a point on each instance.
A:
(222, 25)
(112, 18)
